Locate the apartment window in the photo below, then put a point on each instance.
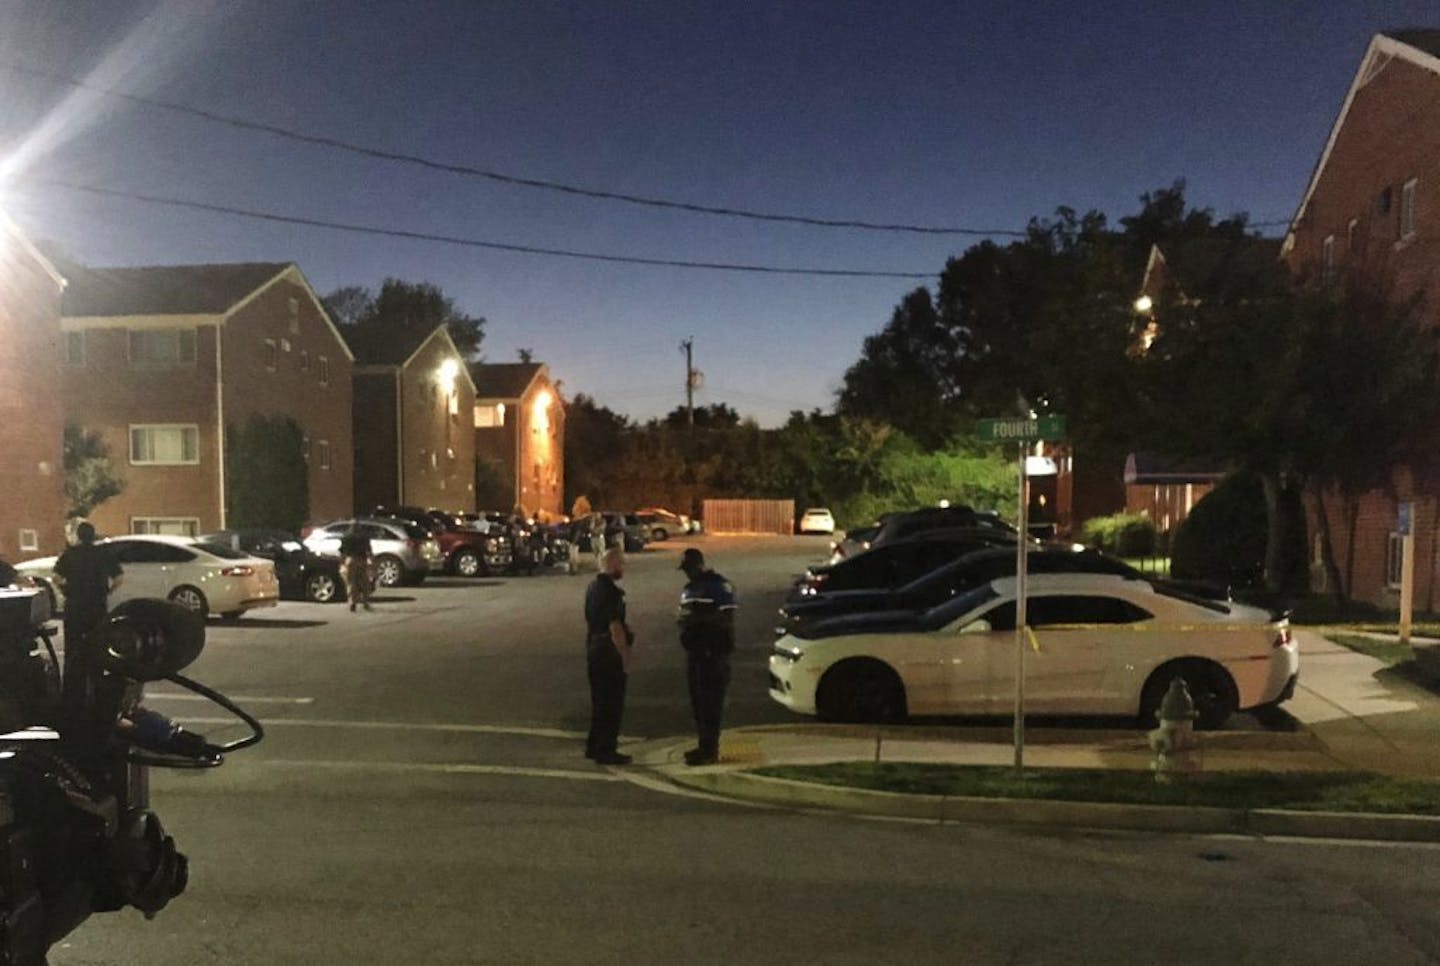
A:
(75, 349)
(322, 453)
(1407, 209)
(1350, 230)
(166, 526)
(324, 366)
(305, 448)
(1382, 203)
(454, 404)
(272, 355)
(304, 361)
(29, 540)
(162, 347)
(174, 444)
(1394, 556)
(1327, 258)
(487, 417)
(294, 316)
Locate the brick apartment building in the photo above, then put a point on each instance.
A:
(1372, 209)
(160, 360)
(413, 406)
(520, 437)
(32, 421)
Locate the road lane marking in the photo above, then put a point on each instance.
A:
(410, 767)
(244, 698)
(476, 729)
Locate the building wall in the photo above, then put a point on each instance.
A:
(495, 446)
(1375, 521)
(1391, 135)
(376, 472)
(438, 435)
(294, 387)
(32, 417)
(108, 394)
(541, 461)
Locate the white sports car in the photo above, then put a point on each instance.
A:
(1099, 645)
(208, 578)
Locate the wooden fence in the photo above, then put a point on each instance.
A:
(750, 516)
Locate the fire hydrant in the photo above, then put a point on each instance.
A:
(1175, 745)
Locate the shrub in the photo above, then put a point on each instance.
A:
(1223, 538)
(1121, 534)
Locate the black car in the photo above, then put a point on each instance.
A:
(303, 575)
(898, 563)
(949, 580)
(900, 526)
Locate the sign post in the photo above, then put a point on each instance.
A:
(1405, 526)
(1024, 432)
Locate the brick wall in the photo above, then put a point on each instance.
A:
(542, 449)
(496, 445)
(438, 432)
(31, 415)
(377, 480)
(1391, 135)
(294, 385)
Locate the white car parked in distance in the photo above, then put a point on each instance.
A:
(1101, 645)
(208, 578)
(817, 520)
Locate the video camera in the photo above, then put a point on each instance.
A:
(77, 835)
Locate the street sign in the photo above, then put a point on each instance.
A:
(1018, 429)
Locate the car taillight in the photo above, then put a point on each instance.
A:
(1283, 637)
(238, 571)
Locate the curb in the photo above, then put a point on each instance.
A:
(1036, 812)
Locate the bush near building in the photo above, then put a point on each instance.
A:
(1121, 534)
(1223, 538)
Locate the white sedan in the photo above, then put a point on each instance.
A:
(817, 520)
(208, 578)
(1100, 645)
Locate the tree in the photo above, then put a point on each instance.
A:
(90, 477)
(269, 484)
(410, 308)
(596, 448)
(713, 416)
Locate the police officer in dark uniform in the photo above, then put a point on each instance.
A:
(87, 574)
(707, 632)
(608, 641)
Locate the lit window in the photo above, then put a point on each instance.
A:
(1327, 258)
(1394, 557)
(1407, 209)
(324, 366)
(272, 355)
(165, 445)
(487, 417)
(322, 452)
(165, 526)
(75, 348)
(162, 347)
(29, 540)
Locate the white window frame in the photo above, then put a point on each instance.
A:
(1407, 209)
(489, 417)
(294, 307)
(157, 526)
(72, 339)
(1327, 258)
(304, 360)
(1350, 231)
(29, 539)
(322, 453)
(181, 358)
(1394, 558)
(183, 427)
(272, 355)
(323, 365)
(305, 448)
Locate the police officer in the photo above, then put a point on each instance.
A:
(87, 574)
(608, 641)
(707, 632)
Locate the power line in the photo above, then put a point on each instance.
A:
(472, 242)
(513, 179)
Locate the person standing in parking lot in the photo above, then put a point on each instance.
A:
(707, 632)
(597, 538)
(355, 553)
(87, 575)
(608, 641)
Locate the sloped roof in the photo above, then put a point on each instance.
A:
(1421, 39)
(163, 289)
(504, 380)
(1158, 468)
(377, 346)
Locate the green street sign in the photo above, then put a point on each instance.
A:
(1018, 429)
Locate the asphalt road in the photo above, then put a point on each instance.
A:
(421, 798)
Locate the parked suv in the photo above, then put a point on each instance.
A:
(303, 574)
(465, 551)
(402, 553)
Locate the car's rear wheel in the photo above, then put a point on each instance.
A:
(468, 563)
(323, 588)
(659, 533)
(1211, 688)
(389, 571)
(861, 690)
(191, 599)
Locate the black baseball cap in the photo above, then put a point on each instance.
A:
(692, 556)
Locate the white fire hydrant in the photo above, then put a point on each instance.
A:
(1175, 746)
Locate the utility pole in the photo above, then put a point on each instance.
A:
(688, 347)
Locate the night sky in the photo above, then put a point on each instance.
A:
(947, 113)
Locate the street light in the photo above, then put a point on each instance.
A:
(1144, 304)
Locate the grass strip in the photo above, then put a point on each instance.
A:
(1308, 791)
(1391, 652)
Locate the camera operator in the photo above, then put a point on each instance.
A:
(87, 574)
